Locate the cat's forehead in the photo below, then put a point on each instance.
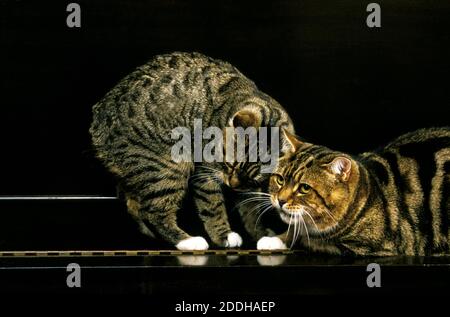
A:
(296, 167)
(305, 159)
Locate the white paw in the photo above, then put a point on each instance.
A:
(270, 243)
(193, 243)
(234, 240)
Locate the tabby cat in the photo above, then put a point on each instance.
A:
(392, 201)
(131, 132)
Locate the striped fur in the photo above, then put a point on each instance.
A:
(131, 134)
(392, 201)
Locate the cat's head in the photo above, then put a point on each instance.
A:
(246, 175)
(313, 186)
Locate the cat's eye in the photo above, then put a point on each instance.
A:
(304, 188)
(279, 180)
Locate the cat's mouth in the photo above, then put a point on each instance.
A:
(315, 224)
(294, 215)
(290, 217)
(298, 216)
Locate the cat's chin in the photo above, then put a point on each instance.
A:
(290, 218)
(285, 217)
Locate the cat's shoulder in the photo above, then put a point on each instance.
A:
(179, 60)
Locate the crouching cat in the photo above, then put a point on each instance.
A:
(392, 201)
(131, 132)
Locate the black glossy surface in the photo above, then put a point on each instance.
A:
(299, 259)
(105, 225)
(237, 275)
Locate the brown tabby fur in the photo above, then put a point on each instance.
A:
(392, 201)
(131, 132)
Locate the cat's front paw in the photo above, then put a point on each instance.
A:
(270, 243)
(192, 243)
(234, 240)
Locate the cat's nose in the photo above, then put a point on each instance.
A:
(234, 182)
(282, 201)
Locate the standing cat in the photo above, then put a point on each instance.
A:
(131, 132)
(392, 201)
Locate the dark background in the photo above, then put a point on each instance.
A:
(345, 85)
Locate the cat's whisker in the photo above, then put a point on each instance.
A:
(201, 174)
(289, 227)
(208, 183)
(310, 217)
(256, 197)
(306, 228)
(242, 203)
(199, 177)
(259, 204)
(335, 222)
(294, 237)
(205, 180)
(258, 207)
(198, 174)
(300, 227)
(249, 200)
(262, 213)
(331, 216)
(296, 230)
(210, 169)
(256, 193)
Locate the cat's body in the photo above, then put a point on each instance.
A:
(131, 133)
(392, 201)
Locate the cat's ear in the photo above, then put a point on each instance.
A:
(290, 142)
(341, 166)
(246, 118)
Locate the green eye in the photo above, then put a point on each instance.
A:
(304, 188)
(279, 180)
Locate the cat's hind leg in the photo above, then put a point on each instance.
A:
(161, 191)
(133, 209)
